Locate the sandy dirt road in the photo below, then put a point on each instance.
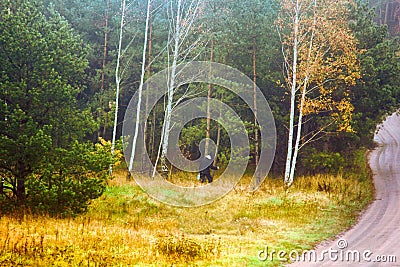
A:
(375, 239)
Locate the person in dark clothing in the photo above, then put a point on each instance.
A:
(205, 166)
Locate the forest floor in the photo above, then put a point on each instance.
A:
(126, 227)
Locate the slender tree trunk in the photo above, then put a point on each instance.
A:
(159, 149)
(138, 107)
(103, 70)
(256, 142)
(152, 133)
(218, 135)
(117, 81)
(105, 124)
(292, 97)
(148, 74)
(209, 94)
(298, 137)
(105, 47)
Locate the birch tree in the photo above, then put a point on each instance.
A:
(124, 59)
(118, 79)
(182, 16)
(140, 86)
(320, 63)
(126, 52)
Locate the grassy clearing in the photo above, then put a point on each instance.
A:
(125, 227)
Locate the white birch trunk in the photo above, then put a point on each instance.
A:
(292, 97)
(180, 27)
(290, 180)
(134, 141)
(118, 81)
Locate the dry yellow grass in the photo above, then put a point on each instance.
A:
(125, 227)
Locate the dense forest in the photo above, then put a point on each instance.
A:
(330, 72)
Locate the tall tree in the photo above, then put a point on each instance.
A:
(182, 16)
(320, 62)
(149, 139)
(377, 94)
(43, 63)
(118, 78)
(139, 92)
(247, 28)
(209, 95)
(104, 63)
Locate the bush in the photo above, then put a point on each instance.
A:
(185, 249)
(324, 162)
(67, 182)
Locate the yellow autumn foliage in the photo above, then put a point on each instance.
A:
(104, 146)
(326, 53)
